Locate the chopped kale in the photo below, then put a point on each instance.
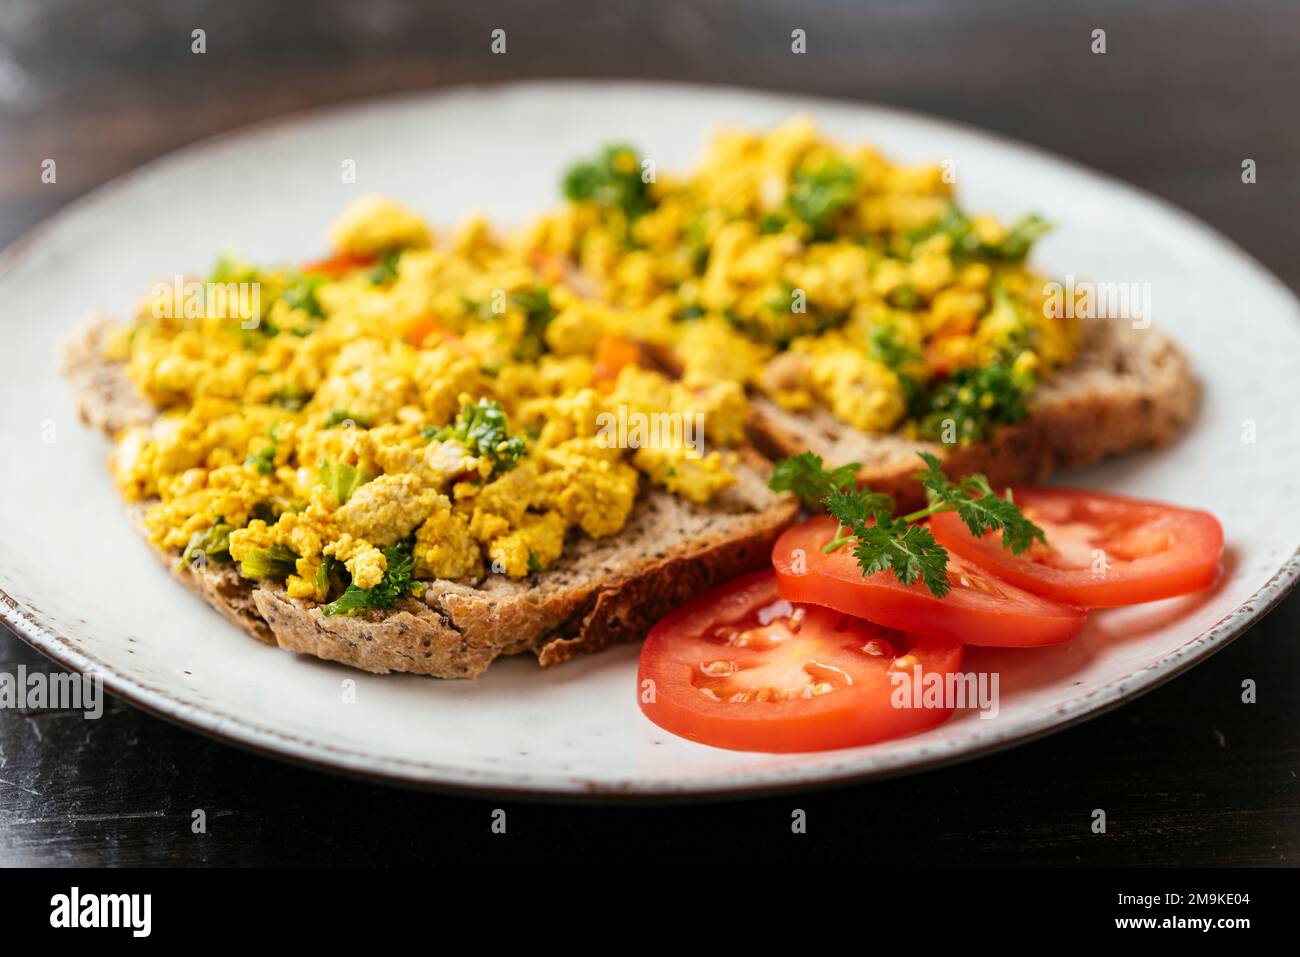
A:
(820, 194)
(212, 543)
(482, 430)
(538, 312)
(337, 417)
(342, 479)
(611, 180)
(276, 562)
(396, 584)
(973, 400)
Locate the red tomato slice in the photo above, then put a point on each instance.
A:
(742, 668)
(980, 609)
(1102, 550)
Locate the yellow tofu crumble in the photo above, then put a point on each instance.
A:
(422, 405)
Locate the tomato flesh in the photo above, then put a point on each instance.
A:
(742, 668)
(1102, 550)
(979, 609)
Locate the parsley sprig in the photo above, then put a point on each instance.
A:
(883, 542)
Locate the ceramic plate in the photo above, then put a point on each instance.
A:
(83, 589)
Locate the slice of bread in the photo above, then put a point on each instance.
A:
(601, 591)
(1127, 388)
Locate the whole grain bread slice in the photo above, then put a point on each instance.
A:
(1128, 388)
(600, 592)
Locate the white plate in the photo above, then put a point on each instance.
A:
(86, 592)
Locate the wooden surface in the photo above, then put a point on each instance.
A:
(1187, 774)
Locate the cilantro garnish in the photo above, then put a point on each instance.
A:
(396, 584)
(883, 542)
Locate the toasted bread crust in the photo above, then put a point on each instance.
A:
(602, 591)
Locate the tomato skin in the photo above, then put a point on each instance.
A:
(1079, 522)
(994, 613)
(856, 713)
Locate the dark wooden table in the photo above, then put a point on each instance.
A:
(1188, 774)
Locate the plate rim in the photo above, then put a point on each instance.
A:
(230, 729)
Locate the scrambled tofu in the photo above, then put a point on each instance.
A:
(823, 275)
(418, 406)
(404, 411)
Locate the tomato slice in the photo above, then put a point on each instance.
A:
(742, 668)
(1102, 550)
(980, 608)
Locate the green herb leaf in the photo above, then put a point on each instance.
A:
(1020, 238)
(965, 407)
(289, 398)
(342, 479)
(277, 562)
(300, 293)
(909, 551)
(325, 573)
(264, 458)
(395, 585)
(482, 430)
(888, 348)
(213, 543)
(611, 180)
(885, 543)
(810, 481)
(336, 417)
(820, 194)
(859, 507)
(538, 312)
(385, 271)
(978, 506)
(1014, 246)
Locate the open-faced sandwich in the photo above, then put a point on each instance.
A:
(426, 451)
